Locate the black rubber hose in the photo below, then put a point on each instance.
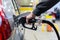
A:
(23, 21)
(51, 24)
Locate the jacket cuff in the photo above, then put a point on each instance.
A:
(36, 12)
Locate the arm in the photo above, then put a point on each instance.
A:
(42, 7)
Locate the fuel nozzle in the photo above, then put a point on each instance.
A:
(23, 21)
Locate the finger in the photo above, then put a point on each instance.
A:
(27, 21)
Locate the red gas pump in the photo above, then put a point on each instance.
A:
(5, 30)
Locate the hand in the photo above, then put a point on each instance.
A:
(30, 16)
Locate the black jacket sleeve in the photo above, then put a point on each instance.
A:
(44, 6)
